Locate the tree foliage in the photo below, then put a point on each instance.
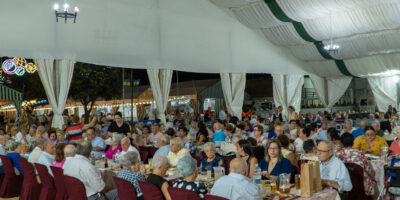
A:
(93, 82)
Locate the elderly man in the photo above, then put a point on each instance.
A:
(360, 130)
(163, 146)
(47, 158)
(236, 185)
(69, 152)
(333, 172)
(97, 143)
(30, 137)
(37, 151)
(176, 153)
(3, 141)
(155, 134)
(41, 132)
(126, 147)
(81, 168)
(377, 126)
(278, 130)
(349, 127)
(219, 135)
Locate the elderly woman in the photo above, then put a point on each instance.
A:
(258, 135)
(349, 127)
(115, 145)
(350, 155)
(132, 171)
(187, 168)
(244, 150)
(212, 159)
(369, 142)
(61, 137)
(395, 146)
(14, 153)
(177, 151)
(60, 157)
(160, 165)
(274, 163)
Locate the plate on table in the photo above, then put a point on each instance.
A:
(372, 157)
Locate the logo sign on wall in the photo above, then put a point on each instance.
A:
(10, 66)
(18, 66)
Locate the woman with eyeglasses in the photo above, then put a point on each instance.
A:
(369, 143)
(274, 163)
(258, 135)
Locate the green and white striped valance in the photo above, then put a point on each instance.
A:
(7, 93)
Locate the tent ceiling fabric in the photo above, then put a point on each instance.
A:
(187, 35)
(364, 29)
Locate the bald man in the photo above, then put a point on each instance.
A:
(236, 185)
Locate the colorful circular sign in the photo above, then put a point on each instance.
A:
(20, 71)
(10, 66)
(31, 68)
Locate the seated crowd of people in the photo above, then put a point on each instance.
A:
(276, 145)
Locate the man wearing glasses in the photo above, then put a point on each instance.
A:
(334, 173)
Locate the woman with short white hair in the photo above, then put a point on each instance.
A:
(160, 165)
(132, 171)
(115, 145)
(212, 160)
(187, 168)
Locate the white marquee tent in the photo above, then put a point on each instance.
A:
(283, 37)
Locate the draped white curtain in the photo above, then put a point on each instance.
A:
(160, 82)
(233, 86)
(362, 31)
(330, 89)
(56, 78)
(287, 91)
(385, 91)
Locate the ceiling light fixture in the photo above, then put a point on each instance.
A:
(65, 13)
(331, 47)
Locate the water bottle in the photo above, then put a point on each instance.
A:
(257, 175)
(117, 158)
(93, 159)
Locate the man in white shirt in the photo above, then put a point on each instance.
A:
(126, 147)
(37, 151)
(47, 158)
(177, 152)
(155, 134)
(80, 167)
(236, 185)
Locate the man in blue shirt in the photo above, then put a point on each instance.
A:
(236, 185)
(360, 130)
(333, 172)
(322, 133)
(98, 143)
(218, 135)
(163, 144)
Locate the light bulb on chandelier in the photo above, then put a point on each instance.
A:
(331, 48)
(65, 13)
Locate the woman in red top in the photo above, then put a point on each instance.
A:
(395, 146)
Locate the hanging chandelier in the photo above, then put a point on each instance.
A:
(331, 48)
(65, 13)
